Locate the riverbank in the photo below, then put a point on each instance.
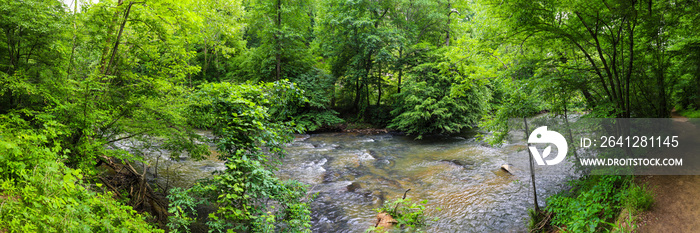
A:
(677, 198)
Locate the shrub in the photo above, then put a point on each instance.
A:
(50, 197)
(408, 214)
(638, 198)
(594, 202)
(247, 122)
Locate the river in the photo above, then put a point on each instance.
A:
(354, 174)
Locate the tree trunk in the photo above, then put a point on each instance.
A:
(278, 55)
(447, 38)
(697, 75)
(105, 70)
(398, 88)
(568, 126)
(532, 168)
(356, 102)
(367, 95)
(206, 59)
(379, 85)
(75, 32)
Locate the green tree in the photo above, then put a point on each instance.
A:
(618, 47)
(277, 34)
(31, 52)
(418, 22)
(358, 42)
(219, 41)
(248, 195)
(39, 193)
(126, 60)
(433, 102)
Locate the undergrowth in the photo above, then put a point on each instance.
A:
(690, 113)
(595, 202)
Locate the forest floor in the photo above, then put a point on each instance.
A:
(677, 198)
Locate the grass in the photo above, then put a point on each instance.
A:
(626, 222)
(639, 198)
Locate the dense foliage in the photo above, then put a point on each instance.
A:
(247, 194)
(432, 103)
(39, 193)
(89, 87)
(595, 202)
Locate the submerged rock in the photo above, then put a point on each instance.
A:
(373, 153)
(458, 162)
(354, 186)
(378, 196)
(331, 176)
(301, 137)
(383, 163)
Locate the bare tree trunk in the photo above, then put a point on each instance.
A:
(110, 31)
(358, 92)
(206, 59)
(532, 169)
(367, 95)
(75, 32)
(571, 135)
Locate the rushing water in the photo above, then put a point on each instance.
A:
(354, 174)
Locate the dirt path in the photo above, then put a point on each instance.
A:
(676, 207)
(677, 201)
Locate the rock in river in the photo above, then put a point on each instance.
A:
(354, 186)
(507, 168)
(458, 162)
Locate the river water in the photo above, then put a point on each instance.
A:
(354, 174)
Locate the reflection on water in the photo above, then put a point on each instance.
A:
(354, 174)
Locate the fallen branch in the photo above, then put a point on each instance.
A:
(543, 222)
(140, 192)
(404, 198)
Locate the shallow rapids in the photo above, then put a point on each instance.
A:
(355, 174)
